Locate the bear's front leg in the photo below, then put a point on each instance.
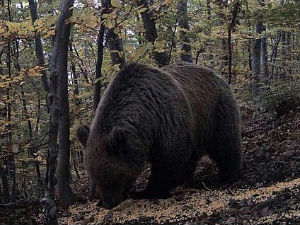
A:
(163, 179)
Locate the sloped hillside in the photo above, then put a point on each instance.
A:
(267, 192)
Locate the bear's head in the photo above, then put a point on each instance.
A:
(109, 164)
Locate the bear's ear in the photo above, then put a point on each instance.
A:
(117, 142)
(83, 134)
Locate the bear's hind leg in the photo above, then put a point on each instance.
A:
(225, 145)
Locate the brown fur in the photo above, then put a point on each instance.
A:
(169, 117)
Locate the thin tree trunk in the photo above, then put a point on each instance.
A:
(229, 56)
(264, 55)
(11, 160)
(249, 44)
(183, 22)
(5, 185)
(75, 76)
(1, 54)
(115, 44)
(289, 55)
(298, 1)
(222, 5)
(173, 43)
(208, 8)
(83, 71)
(256, 61)
(230, 29)
(139, 38)
(38, 45)
(274, 56)
(161, 58)
(250, 55)
(283, 54)
(3, 172)
(97, 89)
(63, 161)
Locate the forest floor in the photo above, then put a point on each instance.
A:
(268, 192)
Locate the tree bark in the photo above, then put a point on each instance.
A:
(161, 58)
(11, 168)
(298, 5)
(256, 61)
(38, 45)
(5, 185)
(264, 58)
(115, 44)
(223, 4)
(98, 85)
(230, 29)
(63, 161)
(275, 44)
(208, 8)
(75, 76)
(183, 23)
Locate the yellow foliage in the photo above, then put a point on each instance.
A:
(129, 48)
(168, 2)
(116, 4)
(159, 46)
(109, 23)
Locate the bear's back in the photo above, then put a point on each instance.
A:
(201, 85)
(135, 95)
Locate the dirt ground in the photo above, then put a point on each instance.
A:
(267, 192)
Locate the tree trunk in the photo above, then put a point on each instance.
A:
(161, 58)
(11, 168)
(230, 29)
(222, 6)
(115, 44)
(38, 45)
(208, 8)
(264, 58)
(11, 160)
(75, 76)
(183, 22)
(1, 54)
(283, 54)
(3, 171)
(256, 61)
(229, 56)
(63, 161)
(298, 4)
(5, 185)
(100, 48)
(249, 44)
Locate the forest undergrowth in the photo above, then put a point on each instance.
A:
(266, 193)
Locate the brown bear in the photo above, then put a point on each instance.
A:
(169, 117)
